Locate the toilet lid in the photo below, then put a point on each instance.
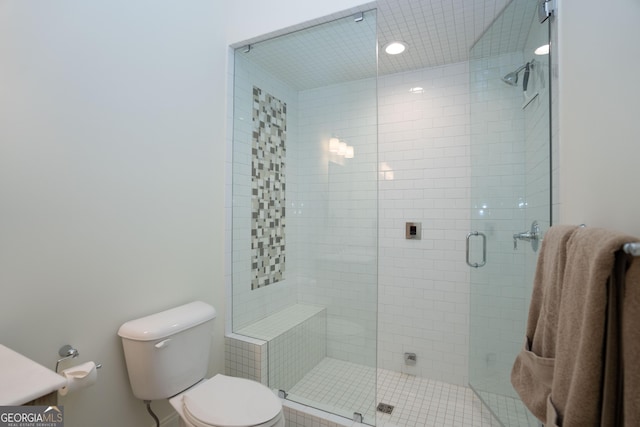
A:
(231, 402)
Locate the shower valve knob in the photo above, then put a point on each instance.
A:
(532, 236)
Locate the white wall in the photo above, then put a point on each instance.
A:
(111, 180)
(599, 114)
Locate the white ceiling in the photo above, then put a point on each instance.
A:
(437, 32)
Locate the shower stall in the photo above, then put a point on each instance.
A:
(355, 179)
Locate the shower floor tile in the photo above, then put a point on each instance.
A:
(418, 402)
(341, 387)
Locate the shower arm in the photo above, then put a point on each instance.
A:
(525, 65)
(521, 68)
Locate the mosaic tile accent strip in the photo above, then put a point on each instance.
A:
(268, 189)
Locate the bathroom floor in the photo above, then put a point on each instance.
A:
(418, 402)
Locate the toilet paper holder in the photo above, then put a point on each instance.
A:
(69, 352)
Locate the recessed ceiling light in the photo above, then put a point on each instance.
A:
(395, 48)
(542, 50)
(416, 89)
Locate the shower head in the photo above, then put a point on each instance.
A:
(512, 78)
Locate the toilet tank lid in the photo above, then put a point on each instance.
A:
(168, 322)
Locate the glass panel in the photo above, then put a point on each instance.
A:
(305, 211)
(510, 188)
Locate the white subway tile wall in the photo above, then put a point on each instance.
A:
(424, 158)
(337, 215)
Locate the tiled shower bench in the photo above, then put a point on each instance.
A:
(279, 349)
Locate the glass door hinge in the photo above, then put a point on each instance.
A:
(546, 8)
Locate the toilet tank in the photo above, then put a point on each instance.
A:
(168, 352)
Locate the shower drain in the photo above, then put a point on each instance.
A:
(385, 408)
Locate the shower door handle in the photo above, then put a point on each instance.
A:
(484, 249)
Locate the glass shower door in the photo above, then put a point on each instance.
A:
(510, 189)
(305, 213)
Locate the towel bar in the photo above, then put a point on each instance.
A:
(632, 248)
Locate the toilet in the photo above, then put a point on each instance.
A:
(167, 355)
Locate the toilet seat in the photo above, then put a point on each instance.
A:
(224, 401)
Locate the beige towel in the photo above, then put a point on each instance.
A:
(532, 372)
(576, 390)
(631, 345)
(578, 366)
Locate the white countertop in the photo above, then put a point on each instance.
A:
(23, 380)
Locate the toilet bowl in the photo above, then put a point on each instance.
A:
(224, 401)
